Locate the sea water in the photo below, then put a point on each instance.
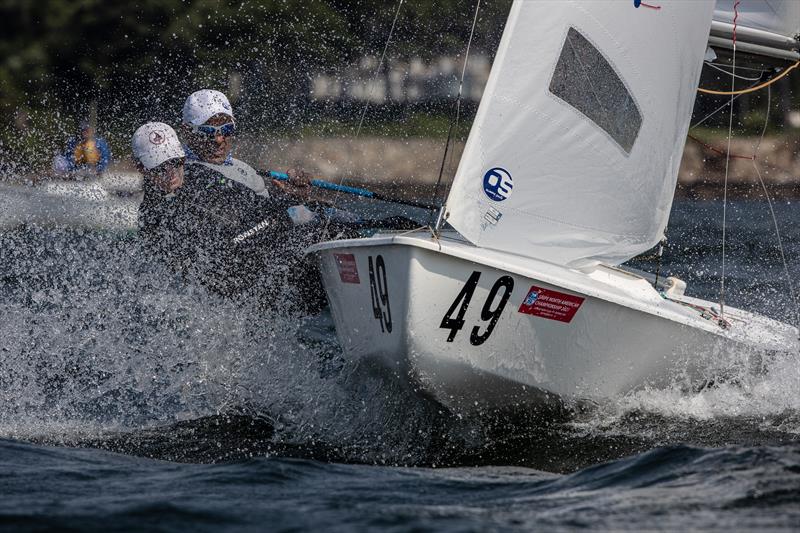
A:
(133, 399)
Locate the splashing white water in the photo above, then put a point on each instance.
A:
(102, 339)
(768, 399)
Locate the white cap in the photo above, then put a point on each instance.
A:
(154, 143)
(204, 104)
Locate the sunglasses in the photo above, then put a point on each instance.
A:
(168, 166)
(226, 130)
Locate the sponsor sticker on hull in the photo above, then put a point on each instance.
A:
(348, 270)
(552, 305)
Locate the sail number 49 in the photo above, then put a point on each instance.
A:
(379, 293)
(490, 312)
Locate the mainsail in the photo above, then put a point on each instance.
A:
(767, 28)
(574, 153)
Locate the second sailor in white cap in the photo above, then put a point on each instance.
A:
(212, 229)
(159, 156)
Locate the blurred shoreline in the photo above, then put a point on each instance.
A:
(408, 168)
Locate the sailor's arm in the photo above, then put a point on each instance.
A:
(301, 190)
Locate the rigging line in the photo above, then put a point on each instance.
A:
(451, 159)
(775, 219)
(766, 121)
(378, 68)
(738, 67)
(750, 89)
(728, 72)
(439, 216)
(463, 73)
(440, 219)
(336, 195)
(717, 110)
(659, 256)
(727, 166)
(717, 150)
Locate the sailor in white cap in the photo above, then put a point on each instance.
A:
(211, 228)
(159, 156)
(210, 128)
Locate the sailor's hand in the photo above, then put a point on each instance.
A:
(299, 184)
(172, 183)
(298, 177)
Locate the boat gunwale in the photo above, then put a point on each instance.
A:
(669, 309)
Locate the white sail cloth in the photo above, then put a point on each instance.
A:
(574, 153)
(781, 17)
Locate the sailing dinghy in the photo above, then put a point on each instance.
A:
(569, 170)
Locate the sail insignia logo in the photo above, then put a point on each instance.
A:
(638, 3)
(497, 184)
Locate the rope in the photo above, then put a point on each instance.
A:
(775, 219)
(335, 199)
(378, 68)
(754, 159)
(440, 220)
(727, 165)
(435, 224)
(705, 312)
(749, 89)
(659, 255)
(718, 151)
(717, 110)
(717, 67)
(701, 121)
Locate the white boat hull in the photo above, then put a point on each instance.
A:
(398, 301)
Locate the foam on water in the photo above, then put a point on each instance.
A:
(761, 409)
(745, 399)
(749, 395)
(102, 341)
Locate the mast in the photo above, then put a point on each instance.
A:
(767, 29)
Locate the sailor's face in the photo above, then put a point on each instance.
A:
(168, 176)
(215, 146)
